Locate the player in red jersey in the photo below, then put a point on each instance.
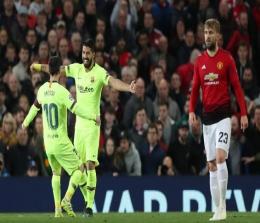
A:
(215, 73)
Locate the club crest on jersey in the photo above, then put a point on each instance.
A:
(92, 79)
(220, 65)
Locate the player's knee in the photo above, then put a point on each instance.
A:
(212, 166)
(221, 156)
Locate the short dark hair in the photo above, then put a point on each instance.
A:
(89, 43)
(54, 64)
(152, 126)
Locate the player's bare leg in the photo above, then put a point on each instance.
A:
(91, 187)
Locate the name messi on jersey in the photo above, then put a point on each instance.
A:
(83, 89)
(211, 79)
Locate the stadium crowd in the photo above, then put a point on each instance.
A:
(154, 42)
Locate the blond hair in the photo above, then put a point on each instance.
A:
(8, 117)
(213, 24)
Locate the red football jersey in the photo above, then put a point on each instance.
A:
(215, 75)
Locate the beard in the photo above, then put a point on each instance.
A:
(87, 63)
(211, 46)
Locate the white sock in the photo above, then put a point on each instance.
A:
(222, 181)
(214, 187)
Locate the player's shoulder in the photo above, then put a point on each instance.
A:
(42, 87)
(225, 53)
(100, 70)
(201, 56)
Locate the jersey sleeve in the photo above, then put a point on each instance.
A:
(104, 76)
(195, 88)
(72, 69)
(32, 113)
(234, 80)
(71, 104)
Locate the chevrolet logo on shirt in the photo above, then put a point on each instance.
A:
(210, 77)
(83, 89)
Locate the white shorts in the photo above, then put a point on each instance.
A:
(217, 136)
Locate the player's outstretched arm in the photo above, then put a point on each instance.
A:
(121, 86)
(83, 113)
(30, 116)
(36, 67)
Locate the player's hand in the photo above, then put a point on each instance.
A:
(32, 68)
(192, 118)
(132, 87)
(98, 120)
(244, 122)
(248, 160)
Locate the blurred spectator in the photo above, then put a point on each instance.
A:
(43, 53)
(63, 48)
(163, 96)
(110, 127)
(9, 60)
(249, 84)
(8, 131)
(32, 43)
(177, 37)
(240, 35)
(91, 17)
(35, 7)
(153, 33)
(156, 76)
(205, 11)
(49, 12)
(68, 13)
(17, 157)
(167, 168)
(131, 155)
(144, 55)
(242, 60)
(61, 30)
(130, 10)
(161, 140)
(177, 12)
(226, 20)
(167, 121)
(42, 26)
(175, 91)
(234, 160)
(53, 42)
(19, 115)
(8, 16)
(32, 170)
(186, 47)
(23, 102)
(114, 102)
(198, 157)
(75, 52)
(21, 69)
(140, 125)
(138, 99)
(251, 150)
(79, 25)
(120, 30)
(161, 52)
(107, 158)
(15, 88)
(162, 13)
(3, 171)
(4, 38)
(180, 151)
(151, 154)
(19, 27)
(3, 108)
(37, 145)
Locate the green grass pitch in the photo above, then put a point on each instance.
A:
(171, 217)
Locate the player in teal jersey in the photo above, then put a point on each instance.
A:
(90, 79)
(54, 100)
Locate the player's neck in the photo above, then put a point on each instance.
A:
(90, 67)
(212, 53)
(54, 78)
